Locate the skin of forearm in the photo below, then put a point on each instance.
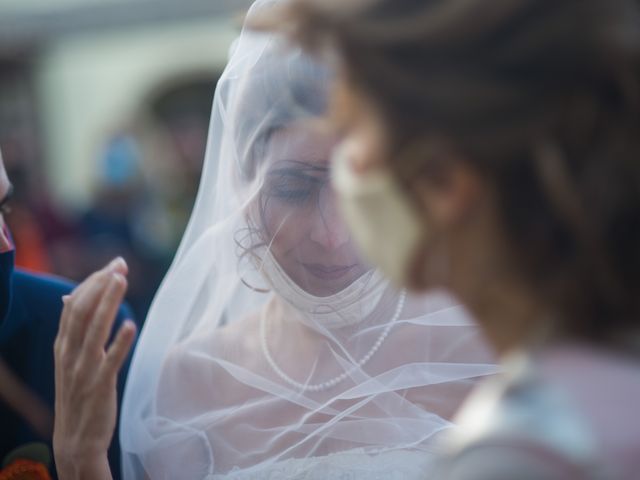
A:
(83, 468)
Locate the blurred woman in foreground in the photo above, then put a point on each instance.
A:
(493, 148)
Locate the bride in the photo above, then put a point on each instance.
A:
(271, 350)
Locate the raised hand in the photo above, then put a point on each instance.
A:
(86, 372)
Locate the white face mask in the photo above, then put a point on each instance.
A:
(347, 307)
(383, 224)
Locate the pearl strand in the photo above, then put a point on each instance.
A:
(318, 387)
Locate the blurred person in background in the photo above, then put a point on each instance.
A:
(30, 307)
(125, 219)
(29, 222)
(493, 148)
(272, 350)
(181, 113)
(147, 178)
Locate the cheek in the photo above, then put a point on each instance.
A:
(287, 227)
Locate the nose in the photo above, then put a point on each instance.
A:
(328, 229)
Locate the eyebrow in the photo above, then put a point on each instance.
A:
(7, 196)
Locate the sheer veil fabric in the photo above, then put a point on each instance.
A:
(271, 349)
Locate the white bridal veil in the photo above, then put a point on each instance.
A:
(271, 350)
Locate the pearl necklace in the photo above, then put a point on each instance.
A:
(343, 376)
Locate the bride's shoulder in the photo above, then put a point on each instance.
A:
(238, 339)
(201, 361)
(236, 342)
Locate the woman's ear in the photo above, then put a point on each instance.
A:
(448, 202)
(451, 197)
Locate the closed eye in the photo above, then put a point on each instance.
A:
(293, 186)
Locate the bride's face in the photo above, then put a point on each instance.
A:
(298, 212)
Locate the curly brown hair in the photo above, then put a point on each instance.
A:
(543, 99)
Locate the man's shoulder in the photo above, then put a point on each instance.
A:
(34, 291)
(27, 283)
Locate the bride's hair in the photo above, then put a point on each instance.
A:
(543, 100)
(283, 86)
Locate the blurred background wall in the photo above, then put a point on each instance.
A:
(104, 109)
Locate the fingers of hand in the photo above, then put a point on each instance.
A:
(63, 326)
(82, 303)
(78, 310)
(118, 350)
(101, 321)
(118, 265)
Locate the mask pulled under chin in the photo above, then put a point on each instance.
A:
(382, 222)
(347, 307)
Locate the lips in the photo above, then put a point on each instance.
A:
(328, 272)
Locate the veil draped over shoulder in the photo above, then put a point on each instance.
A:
(271, 349)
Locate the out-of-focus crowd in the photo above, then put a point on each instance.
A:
(146, 177)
